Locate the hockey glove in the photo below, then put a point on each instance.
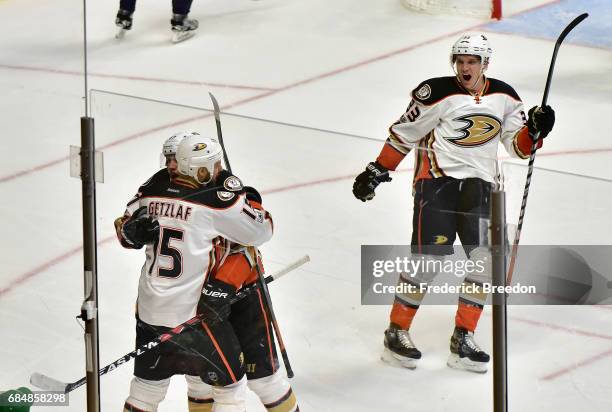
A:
(140, 228)
(214, 302)
(541, 119)
(367, 181)
(252, 194)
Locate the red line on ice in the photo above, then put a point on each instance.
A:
(50, 263)
(563, 328)
(573, 367)
(136, 78)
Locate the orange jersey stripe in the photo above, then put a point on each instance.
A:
(269, 338)
(389, 157)
(234, 271)
(522, 143)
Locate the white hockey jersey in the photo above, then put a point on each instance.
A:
(190, 219)
(455, 133)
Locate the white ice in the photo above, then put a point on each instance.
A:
(343, 65)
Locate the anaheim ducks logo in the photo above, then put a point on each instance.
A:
(478, 130)
(440, 240)
(199, 146)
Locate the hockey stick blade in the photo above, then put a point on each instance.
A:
(534, 147)
(47, 383)
(560, 39)
(219, 132)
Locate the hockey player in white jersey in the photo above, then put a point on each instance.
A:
(455, 124)
(248, 317)
(181, 222)
(182, 26)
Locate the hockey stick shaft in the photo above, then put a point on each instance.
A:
(534, 146)
(279, 337)
(266, 295)
(47, 383)
(219, 132)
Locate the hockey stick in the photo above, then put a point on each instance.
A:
(219, 133)
(262, 283)
(534, 146)
(266, 294)
(50, 384)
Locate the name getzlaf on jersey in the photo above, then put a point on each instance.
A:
(191, 220)
(458, 133)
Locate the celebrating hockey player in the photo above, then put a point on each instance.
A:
(456, 124)
(182, 26)
(236, 265)
(181, 222)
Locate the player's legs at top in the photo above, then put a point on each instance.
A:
(473, 205)
(182, 26)
(433, 235)
(251, 323)
(124, 16)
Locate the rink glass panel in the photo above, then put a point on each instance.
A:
(305, 177)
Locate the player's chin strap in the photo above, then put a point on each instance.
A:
(481, 75)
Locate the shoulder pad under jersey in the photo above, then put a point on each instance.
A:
(497, 86)
(162, 177)
(432, 91)
(229, 182)
(223, 193)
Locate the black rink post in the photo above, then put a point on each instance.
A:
(500, 354)
(89, 309)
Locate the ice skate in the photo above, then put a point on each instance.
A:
(399, 348)
(183, 28)
(465, 352)
(123, 22)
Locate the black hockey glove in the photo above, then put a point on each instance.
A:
(140, 228)
(252, 194)
(367, 181)
(214, 302)
(541, 119)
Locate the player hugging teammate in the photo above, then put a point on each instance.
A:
(456, 124)
(200, 226)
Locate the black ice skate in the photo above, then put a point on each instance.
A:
(124, 22)
(183, 27)
(465, 353)
(399, 348)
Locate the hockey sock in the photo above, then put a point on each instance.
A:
(402, 315)
(199, 395)
(467, 316)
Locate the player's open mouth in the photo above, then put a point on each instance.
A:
(466, 77)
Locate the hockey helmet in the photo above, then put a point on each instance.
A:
(196, 151)
(170, 146)
(475, 44)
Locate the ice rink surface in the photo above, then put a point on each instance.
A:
(346, 66)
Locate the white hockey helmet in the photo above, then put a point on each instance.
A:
(196, 151)
(475, 44)
(170, 146)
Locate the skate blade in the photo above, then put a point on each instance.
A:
(120, 34)
(397, 360)
(455, 362)
(179, 36)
